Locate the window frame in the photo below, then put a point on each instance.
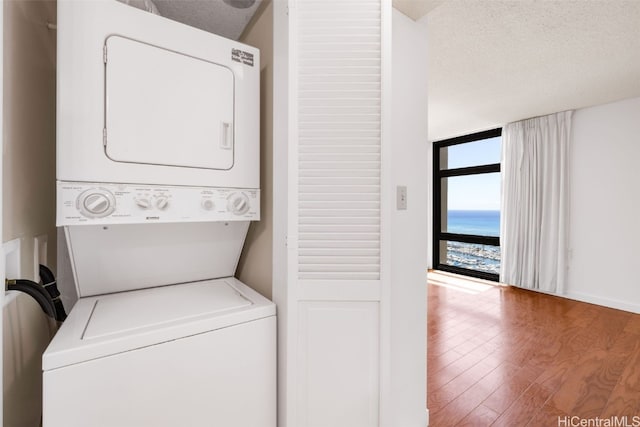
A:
(438, 176)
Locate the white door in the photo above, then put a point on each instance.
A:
(331, 283)
(166, 108)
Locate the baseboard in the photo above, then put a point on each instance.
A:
(594, 299)
(606, 302)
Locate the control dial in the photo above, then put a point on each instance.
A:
(96, 203)
(162, 202)
(238, 204)
(207, 204)
(143, 202)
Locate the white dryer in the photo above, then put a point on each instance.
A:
(146, 107)
(146, 100)
(158, 179)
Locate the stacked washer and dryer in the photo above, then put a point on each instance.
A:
(157, 181)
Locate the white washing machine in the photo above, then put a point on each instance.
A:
(194, 354)
(162, 334)
(158, 179)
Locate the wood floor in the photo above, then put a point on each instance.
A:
(500, 356)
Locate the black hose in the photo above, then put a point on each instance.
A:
(37, 292)
(50, 284)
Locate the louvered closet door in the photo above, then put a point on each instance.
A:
(336, 225)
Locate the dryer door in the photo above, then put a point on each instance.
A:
(166, 108)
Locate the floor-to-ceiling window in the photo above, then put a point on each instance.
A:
(466, 176)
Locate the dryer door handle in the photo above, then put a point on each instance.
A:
(226, 136)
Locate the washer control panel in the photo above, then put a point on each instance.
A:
(88, 203)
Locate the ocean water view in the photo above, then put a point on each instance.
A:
(473, 256)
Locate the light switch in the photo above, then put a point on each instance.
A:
(401, 198)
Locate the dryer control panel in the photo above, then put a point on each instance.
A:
(100, 203)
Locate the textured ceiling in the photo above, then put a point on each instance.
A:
(214, 16)
(493, 62)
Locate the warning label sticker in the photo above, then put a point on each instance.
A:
(241, 56)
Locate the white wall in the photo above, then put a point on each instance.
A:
(409, 227)
(605, 205)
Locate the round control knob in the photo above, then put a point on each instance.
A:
(142, 202)
(162, 203)
(238, 204)
(96, 203)
(207, 204)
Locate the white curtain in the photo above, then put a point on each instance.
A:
(535, 202)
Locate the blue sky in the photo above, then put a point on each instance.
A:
(474, 192)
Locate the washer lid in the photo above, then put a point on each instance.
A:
(107, 325)
(125, 312)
